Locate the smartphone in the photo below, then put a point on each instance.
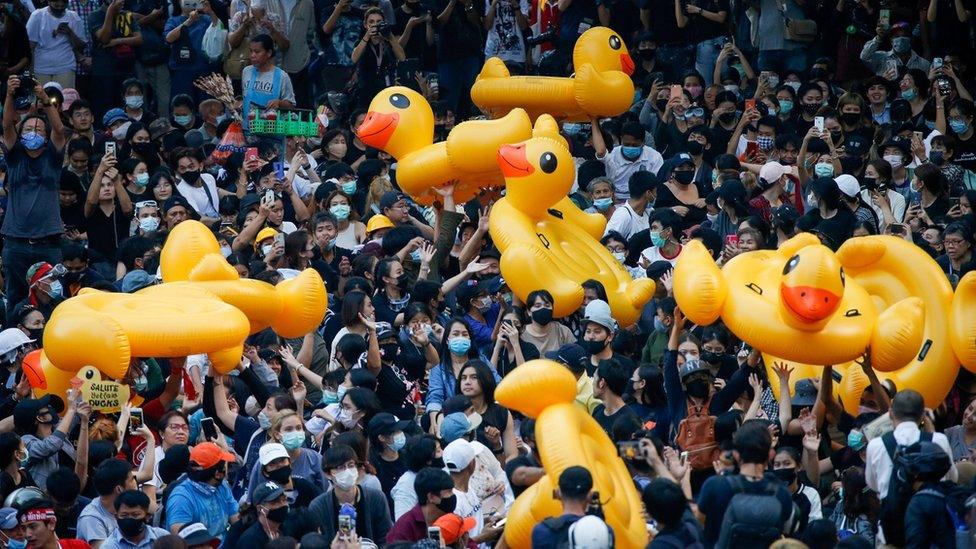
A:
(884, 19)
(434, 533)
(209, 428)
(135, 419)
(676, 91)
(918, 135)
(818, 122)
(629, 450)
(750, 104)
(937, 63)
(110, 147)
(501, 522)
(279, 168)
(268, 199)
(732, 240)
(345, 524)
(752, 148)
(251, 154)
(898, 229)
(683, 457)
(279, 239)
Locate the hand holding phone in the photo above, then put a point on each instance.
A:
(135, 419)
(818, 122)
(268, 199)
(209, 429)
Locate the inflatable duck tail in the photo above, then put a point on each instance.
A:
(304, 302)
(898, 334)
(699, 287)
(493, 68)
(640, 292)
(962, 322)
(536, 385)
(606, 93)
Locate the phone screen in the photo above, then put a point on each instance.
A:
(209, 428)
(135, 419)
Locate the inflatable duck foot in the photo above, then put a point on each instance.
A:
(898, 334)
(699, 285)
(640, 291)
(494, 68)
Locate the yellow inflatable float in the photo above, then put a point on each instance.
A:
(962, 322)
(191, 264)
(546, 240)
(567, 436)
(107, 330)
(401, 122)
(600, 87)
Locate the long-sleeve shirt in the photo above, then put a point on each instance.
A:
(720, 401)
(877, 61)
(44, 455)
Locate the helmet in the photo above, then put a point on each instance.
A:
(928, 463)
(21, 496)
(590, 532)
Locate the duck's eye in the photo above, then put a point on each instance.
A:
(843, 279)
(399, 101)
(791, 264)
(615, 42)
(548, 162)
(89, 374)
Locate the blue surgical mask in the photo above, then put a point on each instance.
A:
(901, 44)
(149, 224)
(958, 126)
(603, 204)
(330, 397)
(341, 392)
(823, 169)
(341, 211)
(25, 459)
(292, 440)
(16, 543)
(349, 187)
(459, 345)
(659, 326)
(56, 291)
(183, 120)
(32, 141)
(330, 244)
(133, 101)
(140, 384)
(142, 179)
(415, 256)
(909, 94)
(263, 420)
(855, 439)
(631, 153)
(657, 240)
(937, 157)
(785, 106)
(399, 441)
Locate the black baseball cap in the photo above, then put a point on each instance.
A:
(571, 355)
(385, 423)
(575, 482)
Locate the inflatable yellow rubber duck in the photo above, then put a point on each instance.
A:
(567, 436)
(401, 122)
(893, 271)
(796, 303)
(191, 264)
(600, 87)
(546, 240)
(962, 322)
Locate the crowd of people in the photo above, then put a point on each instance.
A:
(752, 121)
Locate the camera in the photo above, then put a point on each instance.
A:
(384, 29)
(27, 81)
(549, 35)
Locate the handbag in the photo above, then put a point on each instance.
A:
(800, 30)
(237, 59)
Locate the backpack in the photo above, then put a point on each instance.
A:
(696, 435)
(559, 526)
(686, 538)
(955, 507)
(751, 519)
(900, 490)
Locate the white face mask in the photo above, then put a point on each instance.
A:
(347, 420)
(346, 479)
(894, 159)
(266, 249)
(119, 133)
(619, 256)
(712, 217)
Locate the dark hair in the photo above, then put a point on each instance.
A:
(827, 191)
(111, 474)
(352, 305)
(164, 420)
(820, 534)
(485, 378)
(596, 286)
(653, 392)
(352, 346)
(132, 498)
(419, 452)
(668, 220)
(752, 441)
(9, 444)
(283, 401)
(63, 485)
(445, 351)
(366, 401)
(431, 481)
(536, 294)
(615, 374)
(362, 378)
(132, 248)
(169, 541)
(337, 456)
(930, 176)
(266, 42)
(527, 428)
(640, 182)
(908, 405)
(665, 502)
(632, 129)
(186, 152)
(716, 332)
(858, 500)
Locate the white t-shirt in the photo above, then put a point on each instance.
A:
(53, 54)
(204, 198)
(505, 39)
(619, 169)
(653, 254)
(627, 222)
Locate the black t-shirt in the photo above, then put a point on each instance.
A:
(417, 44)
(388, 472)
(459, 37)
(716, 495)
(666, 199)
(664, 26)
(391, 389)
(704, 28)
(495, 416)
(938, 210)
(106, 231)
(14, 45)
(836, 230)
(254, 536)
(7, 484)
(122, 58)
(965, 154)
(512, 465)
(605, 421)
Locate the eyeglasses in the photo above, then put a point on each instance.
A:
(953, 241)
(178, 427)
(147, 204)
(697, 112)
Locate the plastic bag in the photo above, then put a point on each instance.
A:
(233, 142)
(214, 41)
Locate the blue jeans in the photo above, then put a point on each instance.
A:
(674, 60)
(706, 53)
(18, 255)
(455, 78)
(783, 60)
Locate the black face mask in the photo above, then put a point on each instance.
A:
(403, 281)
(594, 347)
(437, 463)
(646, 54)
(448, 504)
(278, 515)
(712, 357)
(280, 476)
(684, 177)
(144, 149)
(389, 352)
(697, 388)
(661, 104)
(836, 136)
(131, 527)
(786, 475)
(869, 182)
(850, 118)
(542, 316)
(695, 148)
(36, 333)
(810, 108)
(203, 475)
(191, 177)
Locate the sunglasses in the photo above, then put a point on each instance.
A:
(147, 204)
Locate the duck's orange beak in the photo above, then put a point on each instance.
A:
(810, 303)
(512, 161)
(377, 128)
(627, 63)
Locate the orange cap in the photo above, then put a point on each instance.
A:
(453, 527)
(208, 454)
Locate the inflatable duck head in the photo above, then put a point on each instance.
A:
(399, 121)
(538, 172)
(812, 287)
(604, 49)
